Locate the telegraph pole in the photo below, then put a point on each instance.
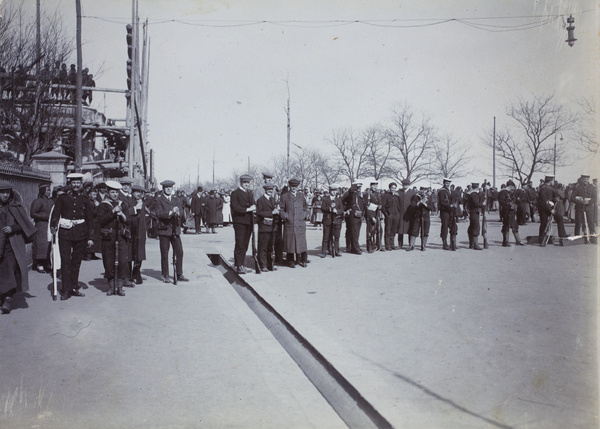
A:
(78, 92)
(494, 153)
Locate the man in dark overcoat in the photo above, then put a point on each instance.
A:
(294, 210)
(72, 217)
(584, 197)
(475, 205)
(446, 213)
(390, 206)
(242, 212)
(168, 208)
(266, 209)
(404, 196)
(507, 199)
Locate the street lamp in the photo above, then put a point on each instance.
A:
(561, 139)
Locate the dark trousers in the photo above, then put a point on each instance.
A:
(580, 220)
(71, 254)
(545, 218)
(532, 212)
(242, 239)
(279, 242)
(415, 226)
(353, 225)
(474, 227)
(198, 223)
(266, 242)
(331, 231)
(108, 259)
(509, 221)
(164, 242)
(391, 228)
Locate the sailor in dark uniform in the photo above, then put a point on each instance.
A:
(372, 202)
(584, 197)
(475, 202)
(446, 212)
(333, 215)
(390, 206)
(507, 199)
(113, 216)
(354, 209)
(547, 198)
(72, 218)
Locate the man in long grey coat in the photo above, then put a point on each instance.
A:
(294, 210)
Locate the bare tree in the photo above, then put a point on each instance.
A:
(451, 159)
(413, 139)
(379, 151)
(586, 134)
(352, 153)
(527, 144)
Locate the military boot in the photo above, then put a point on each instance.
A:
(476, 243)
(337, 248)
(445, 242)
(323, 250)
(518, 239)
(470, 242)
(411, 243)
(505, 240)
(425, 243)
(120, 290)
(453, 242)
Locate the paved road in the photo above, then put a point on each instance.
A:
(500, 338)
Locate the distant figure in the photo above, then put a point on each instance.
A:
(40, 213)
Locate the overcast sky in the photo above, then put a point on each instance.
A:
(218, 85)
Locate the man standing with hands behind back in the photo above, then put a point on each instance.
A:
(242, 211)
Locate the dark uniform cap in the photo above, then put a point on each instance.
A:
(548, 178)
(245, 178)
(87, 185)
(138, 188)
(200, 189)
(422, 188)
(474, 185)
(392, 184)
(126, 180)
(101, 185)
(510, 183)
(406, 181)
(585, 176)
(294, 182)
(167, 183)
(5, 185)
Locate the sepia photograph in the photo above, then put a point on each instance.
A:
(299, 214)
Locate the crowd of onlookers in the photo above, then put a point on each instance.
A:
(19, 83)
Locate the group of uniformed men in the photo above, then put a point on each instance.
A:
(119, 219)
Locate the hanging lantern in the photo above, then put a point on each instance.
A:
(571, 37)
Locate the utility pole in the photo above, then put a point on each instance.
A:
(494, 153)
(78, 92)
(287, 111)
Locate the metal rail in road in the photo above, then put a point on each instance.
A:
(347, 402)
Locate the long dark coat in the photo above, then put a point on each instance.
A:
(137, 244)
(403, 204)
(293, 213)
(14, 215)
(213, 205)
(40, 213)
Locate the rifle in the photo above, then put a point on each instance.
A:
(175, 222)
(547, 231)
(55, 263)
(116, 277)
(379, 231)
(585, 226)
(331, 237)
(256, 264)
(422, 229)
(484, 220)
